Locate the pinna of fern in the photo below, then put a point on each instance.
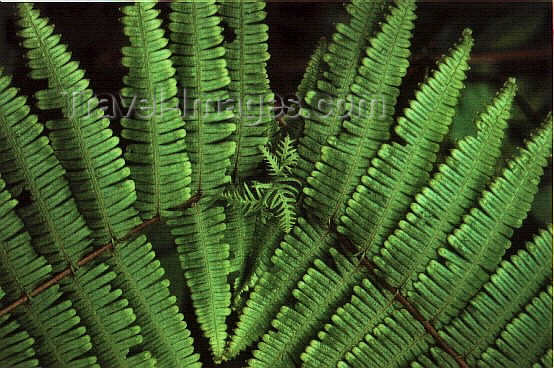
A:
(395, 259)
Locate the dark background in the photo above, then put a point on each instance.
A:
(511, 39)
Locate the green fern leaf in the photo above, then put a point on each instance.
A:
(16, 345)
(82, 141)
(345, 158)
(510, 287)
(246, 58)
(60, 232)
(476, 247)
(441, 205)
(343, 56)
(348, 339)
(198, 57)
(525, 339)
(158, 161)
(37, 169)
(289, 262)
(60, 340)
(205, 259)
(367, 308)
(260, 259)
(399, 171)
(240, 235)
(317, 295)
(201, 69)
(314, 70)
(104, 194)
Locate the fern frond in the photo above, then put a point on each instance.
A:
(16, 345)
(276, 198)
(314, 70)
(59, 231)
(350, 324)
(239, 234)
(281, 199)
(399, 171)
(476, 247)
(439, 207)
(508, 289)
(60, 340)
(82, 140)
(346, 158)
(272, 160)
(260, 260)
(296, 252)
(99, 180)
(371, 344)
(322, 288)
(201, 70)
(249, 200)
(204, 257)
(159, 164)
(343, 56)
(288, 155)
(252, 98)
(525, 339)
(246, 58)
(37, 169)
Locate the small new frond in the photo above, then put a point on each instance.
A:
(288, 155)
(272, 161)
(250, 200)
(277, 197)
(399, 171)
(159, 164)
(281, 160)
(246, 58)
(281, 200)
(346, 158)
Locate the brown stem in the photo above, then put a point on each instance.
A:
(427, 325)
(88, 258)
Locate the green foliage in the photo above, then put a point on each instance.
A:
(158, 160)
(335, 242)
(277, 197)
